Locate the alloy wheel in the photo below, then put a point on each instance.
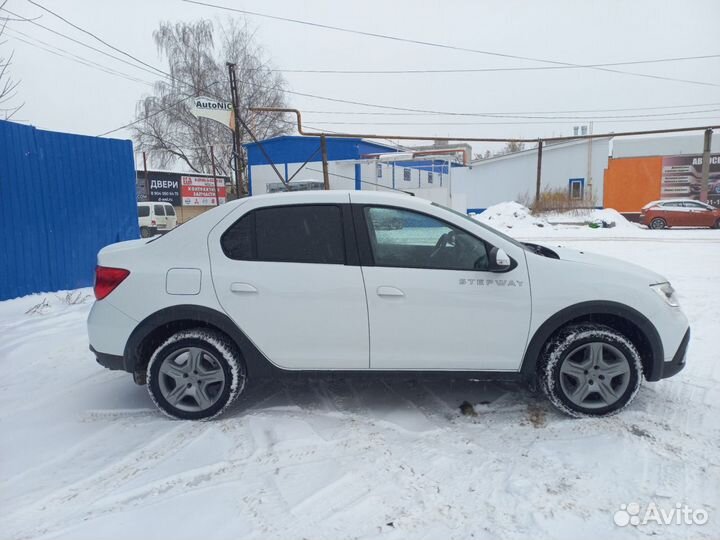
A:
(595, 375)
(191, 379)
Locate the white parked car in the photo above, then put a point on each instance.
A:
(318, 282)
(154, 217)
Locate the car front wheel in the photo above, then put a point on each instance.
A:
(590, 370)
(195, 374)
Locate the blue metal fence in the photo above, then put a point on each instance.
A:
(62, 198)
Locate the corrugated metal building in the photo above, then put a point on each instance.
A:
(62, 198)
(348, 165)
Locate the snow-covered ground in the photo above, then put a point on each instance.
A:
(84, 455)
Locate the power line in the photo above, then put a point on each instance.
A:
(485, 114)
(94, 36)
(555, 117)
(83, 44)
(523, 123)
(57, 51)
(443, 45)
(369, 113)
(487, 70)
(159, 111)
(169, 76)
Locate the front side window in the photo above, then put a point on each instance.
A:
(403, 238)
(303, 234)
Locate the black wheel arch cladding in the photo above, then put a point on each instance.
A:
(599, 311)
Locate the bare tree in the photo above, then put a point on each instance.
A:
(511, 147)
(8, 87)
(197, 53)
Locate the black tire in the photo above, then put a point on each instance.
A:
(577, 342)
(217, 353)
(658, 223)
(144, 232)
(717, 224)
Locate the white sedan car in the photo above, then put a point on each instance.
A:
(366, 282)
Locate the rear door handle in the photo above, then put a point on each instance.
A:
(384, 290)
(242, 288)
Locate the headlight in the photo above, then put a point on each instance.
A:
(667, 293)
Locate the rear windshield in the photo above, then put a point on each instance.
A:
(143, 211)
(159, 210)
(169, 210)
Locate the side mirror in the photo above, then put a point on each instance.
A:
(499, 260)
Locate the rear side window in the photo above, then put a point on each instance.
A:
(169, 210)
(143, 211)
(303, 234)
(159, 210)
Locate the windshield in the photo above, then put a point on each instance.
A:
(486, 227)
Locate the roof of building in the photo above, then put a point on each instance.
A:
(298, 149)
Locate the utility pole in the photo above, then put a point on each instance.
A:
(323, 151)
(147, 182)
(212, 160)
(237, 145)
(706, 165)
(539, 173)
(589, 166)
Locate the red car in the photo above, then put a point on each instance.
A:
(679, 213)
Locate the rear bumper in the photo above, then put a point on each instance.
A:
(677, 363)
(109, 361)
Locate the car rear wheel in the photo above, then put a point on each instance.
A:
(590, 370)
(145, 232)
(195, 374)
(658, 223)
(717, 224)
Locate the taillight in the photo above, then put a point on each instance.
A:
(153, 222)
(107, 279)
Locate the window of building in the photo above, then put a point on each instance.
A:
(378, 170)
(576, 188)
(430, 178)
(406, 175)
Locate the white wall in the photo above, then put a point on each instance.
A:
(506, 178)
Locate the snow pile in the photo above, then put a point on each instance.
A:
(581, 218)
(509, 215)
(514, 216)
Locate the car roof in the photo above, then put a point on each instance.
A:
(663, 201)
(334, 194)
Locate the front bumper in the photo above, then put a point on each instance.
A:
(677, 363)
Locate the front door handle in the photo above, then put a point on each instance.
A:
(389, 291)
(242, 288)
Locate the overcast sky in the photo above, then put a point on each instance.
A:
(64, 95)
